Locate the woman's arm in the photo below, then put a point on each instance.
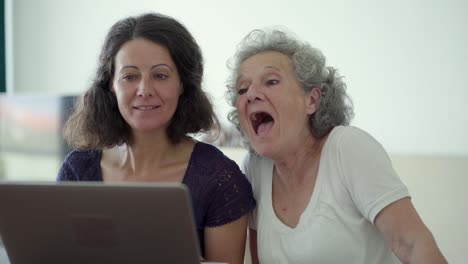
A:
(226, 243)
(405, 232)
(253, 246)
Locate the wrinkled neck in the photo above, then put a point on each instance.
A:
(295, 166)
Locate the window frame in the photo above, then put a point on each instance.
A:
(2, 48)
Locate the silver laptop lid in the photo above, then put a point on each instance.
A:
(90, 222)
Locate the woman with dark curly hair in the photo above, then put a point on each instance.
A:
(134, 124)
(326, 191)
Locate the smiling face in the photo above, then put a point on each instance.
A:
(273, 108)
(147, 85)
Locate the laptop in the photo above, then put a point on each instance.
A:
(87, 222)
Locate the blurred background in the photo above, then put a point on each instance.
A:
(404, 62)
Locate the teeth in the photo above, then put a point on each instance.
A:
(253, 117)
(145, 107)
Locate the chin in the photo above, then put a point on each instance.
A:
(262, 146)
(264, 150)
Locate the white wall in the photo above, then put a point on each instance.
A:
(405, 61)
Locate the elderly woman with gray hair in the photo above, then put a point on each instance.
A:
(326, 192)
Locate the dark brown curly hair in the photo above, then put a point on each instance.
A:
(96, 122)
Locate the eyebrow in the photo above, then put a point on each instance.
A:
(152, 68)
(239, 76)
(162, 65)
(272, 67)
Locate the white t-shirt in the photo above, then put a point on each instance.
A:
(355, 182)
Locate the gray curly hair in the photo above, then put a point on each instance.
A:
(335, 106)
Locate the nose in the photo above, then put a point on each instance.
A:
(254, 93)
(145, 88)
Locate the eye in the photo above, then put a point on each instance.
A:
(272, 82)
(160, 76)
(129, 77)
(241, 91)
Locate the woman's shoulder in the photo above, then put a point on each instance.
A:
(350, 136)
(79, 156)
(207, 149)
(209, 156)
(351, 146)
(349, 131)
(81, 164)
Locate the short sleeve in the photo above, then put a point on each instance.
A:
(368, 172)
(232, 196)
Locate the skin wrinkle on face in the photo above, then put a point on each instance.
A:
(269, 77)
(146, 84)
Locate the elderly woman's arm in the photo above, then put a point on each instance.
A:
(226, 243)
(405, 232)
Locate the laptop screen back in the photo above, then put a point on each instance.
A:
(97, 223)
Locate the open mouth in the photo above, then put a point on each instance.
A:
(261, 122)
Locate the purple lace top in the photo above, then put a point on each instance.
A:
(220, 192)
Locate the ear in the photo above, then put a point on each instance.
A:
(313, 100)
